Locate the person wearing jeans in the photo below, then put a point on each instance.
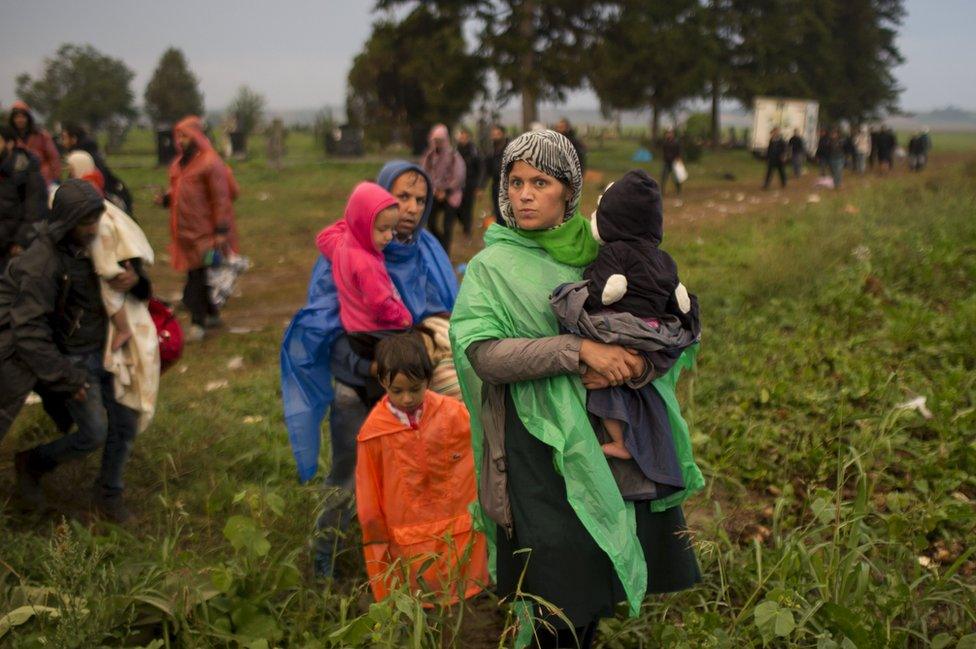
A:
(101, 422)
(53, 332)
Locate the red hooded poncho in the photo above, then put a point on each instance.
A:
(368, 301)
(413, 488)
(38, 142)
(200, 199)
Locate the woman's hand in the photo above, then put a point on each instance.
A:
(614, 362)
(593, 380)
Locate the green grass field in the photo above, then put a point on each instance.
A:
(833, 516)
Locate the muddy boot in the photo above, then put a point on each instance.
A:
(29, 488)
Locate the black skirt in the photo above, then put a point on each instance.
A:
(551, 555)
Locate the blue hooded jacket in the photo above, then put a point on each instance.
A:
(421, 272)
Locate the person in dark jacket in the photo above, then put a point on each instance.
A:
(835, 156)
(887, 143)
(74, 137)
(775, 158)
(564, 128)
(798, 152)
(671, 153)
(493, 168)
(23, 199)
(823, 153)
(53, 330)
(472, 177)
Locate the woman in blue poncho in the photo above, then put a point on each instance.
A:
(321, 372)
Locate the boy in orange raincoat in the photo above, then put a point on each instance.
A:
(415, 479)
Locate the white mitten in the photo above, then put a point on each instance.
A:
(614, 289)
(681, 295)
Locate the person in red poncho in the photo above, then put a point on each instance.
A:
(36, 140)
(414, 481)
(200, 198)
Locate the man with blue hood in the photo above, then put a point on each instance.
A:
(53, 329)
(320, 370)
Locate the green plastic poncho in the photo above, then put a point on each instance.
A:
(505, 294)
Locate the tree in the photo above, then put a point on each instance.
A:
(864, 33)
(650, 56)
(839, 52)
(173, 92)
(397, 84)
(534, 47)
(80, 84)
(247, 108)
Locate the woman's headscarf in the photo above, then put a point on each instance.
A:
(550, 153)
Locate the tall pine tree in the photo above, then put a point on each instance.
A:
(650, 55)
(173, 91)
(412, 74)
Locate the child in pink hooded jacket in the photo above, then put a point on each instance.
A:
(368, 301)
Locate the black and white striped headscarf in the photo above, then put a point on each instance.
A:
(550, 153)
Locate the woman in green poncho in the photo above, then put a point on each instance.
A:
(547, 499)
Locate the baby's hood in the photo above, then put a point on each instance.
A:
(630, 209)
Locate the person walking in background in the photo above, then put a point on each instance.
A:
(873, 155)
(887, 142)
(202, 227)
(835, 156)
(671, 153)
(36, 140)
(850, 151)
(493, 168)
(775, 158)
(823, 153)
(923, 143)
(472, 178)
(564, 128)
(445, 167)
(74, 137)
(23, 196)
(798, 152)
(862, 149)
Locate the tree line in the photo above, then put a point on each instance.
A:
(634, 54)
(82, 85)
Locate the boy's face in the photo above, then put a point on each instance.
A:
(405, 393)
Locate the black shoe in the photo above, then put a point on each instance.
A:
(112, 508)
(213, 322)
(28, 481)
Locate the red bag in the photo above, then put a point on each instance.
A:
(169, 331)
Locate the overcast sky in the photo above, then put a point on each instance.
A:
(298, 52)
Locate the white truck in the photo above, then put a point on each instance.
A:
(787, 114)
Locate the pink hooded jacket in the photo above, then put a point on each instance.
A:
(368, 301)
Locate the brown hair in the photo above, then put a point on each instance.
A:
(406, 354)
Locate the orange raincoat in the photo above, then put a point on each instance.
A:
(200, 199)
(413, 488)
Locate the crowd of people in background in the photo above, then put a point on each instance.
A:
(838, 150)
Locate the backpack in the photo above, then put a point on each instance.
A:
(169, 332)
